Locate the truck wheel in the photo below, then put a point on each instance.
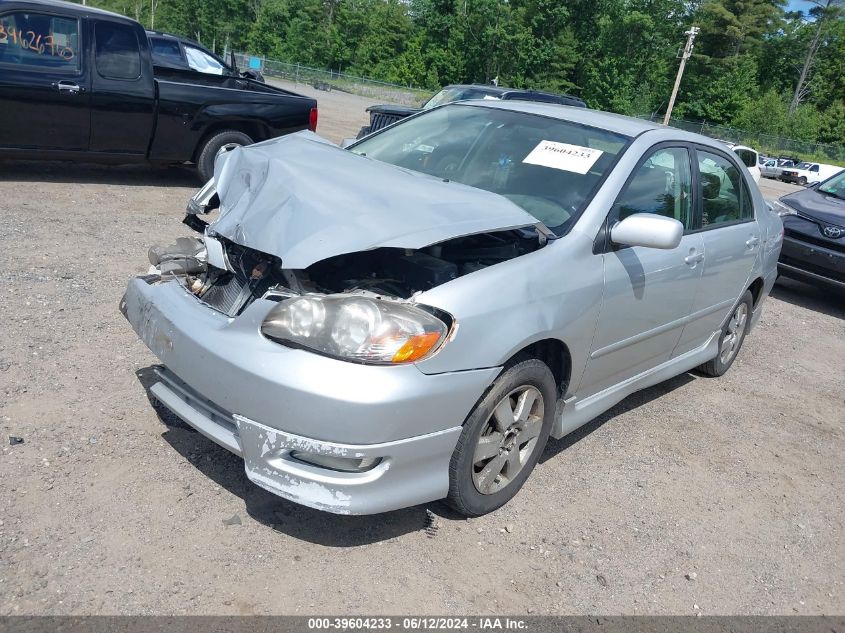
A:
(802, 181)
(502, 439)
(217, 144)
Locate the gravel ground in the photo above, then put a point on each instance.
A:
(714, 496)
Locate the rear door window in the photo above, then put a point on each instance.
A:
(39, 41)
(725, 198)
(117, 54)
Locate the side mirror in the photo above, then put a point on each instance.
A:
(648, 230)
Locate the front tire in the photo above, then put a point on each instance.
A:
(732, 337)
(214, 145)
(502, 439)
(802, 181)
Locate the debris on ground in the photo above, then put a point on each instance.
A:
(14, 440)
(232, 520)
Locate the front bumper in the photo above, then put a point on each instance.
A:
(812, 262)
(261, 400)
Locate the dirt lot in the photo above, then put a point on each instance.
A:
(714, 496)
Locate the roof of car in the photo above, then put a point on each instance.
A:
(68, 7)
(625, 125)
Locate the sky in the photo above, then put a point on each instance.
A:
(799, 5)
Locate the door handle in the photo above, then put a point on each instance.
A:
(752, 241)
(694, 258)
(67, 86)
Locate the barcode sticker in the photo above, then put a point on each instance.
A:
(563, 156)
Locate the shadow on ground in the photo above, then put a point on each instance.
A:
(76, 173)
(332, 530)
(829, 301)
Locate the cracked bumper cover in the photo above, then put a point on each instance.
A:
(261, 400)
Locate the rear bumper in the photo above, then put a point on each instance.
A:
(261, 400)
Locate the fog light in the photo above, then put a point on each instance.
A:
(332, 462)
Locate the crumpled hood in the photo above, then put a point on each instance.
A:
(814, 203)
(303, 199)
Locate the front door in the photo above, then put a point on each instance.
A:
(648, 292)
(44, 82)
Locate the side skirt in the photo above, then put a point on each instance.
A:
(575, 413)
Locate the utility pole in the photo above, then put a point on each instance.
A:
(684, 57)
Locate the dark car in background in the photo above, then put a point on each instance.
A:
(77, 83)
(814, 233)
(384, 115)
(173, 52)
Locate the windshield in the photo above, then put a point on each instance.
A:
(549, 167)
(834, 186)
(450, 95)
(805, 165)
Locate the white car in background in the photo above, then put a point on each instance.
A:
(750, 158)
(809, 173)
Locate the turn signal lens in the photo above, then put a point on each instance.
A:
(416, 347)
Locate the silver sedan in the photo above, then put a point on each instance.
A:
(413, 317)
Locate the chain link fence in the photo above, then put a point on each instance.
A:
(332, 80)
(765, 143)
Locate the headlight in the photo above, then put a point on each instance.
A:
(782, 209)
(355, 328)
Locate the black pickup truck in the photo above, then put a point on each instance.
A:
(77, 83)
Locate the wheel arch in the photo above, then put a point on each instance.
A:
(253, 129)
(554, 353)
(756, 288)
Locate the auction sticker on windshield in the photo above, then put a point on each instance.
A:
(563, 156)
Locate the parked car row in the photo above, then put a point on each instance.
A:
(795, 171)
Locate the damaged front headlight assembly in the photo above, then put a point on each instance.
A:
(357, 329)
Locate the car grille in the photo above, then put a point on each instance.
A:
(379, 120)
(834, 245)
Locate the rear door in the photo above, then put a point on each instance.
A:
(123, 89)
(44, 81)
(648, 292)
(732, 243)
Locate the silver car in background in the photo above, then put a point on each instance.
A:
(411, 318)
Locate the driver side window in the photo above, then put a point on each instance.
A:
(662, 186)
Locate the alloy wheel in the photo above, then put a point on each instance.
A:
(508, 439)
(733, 334)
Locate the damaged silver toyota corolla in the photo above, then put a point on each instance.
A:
(411, 318)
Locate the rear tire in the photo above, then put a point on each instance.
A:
(214, 144)
(502, 439)
(731, 339)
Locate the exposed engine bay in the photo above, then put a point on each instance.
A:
(228, 276)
